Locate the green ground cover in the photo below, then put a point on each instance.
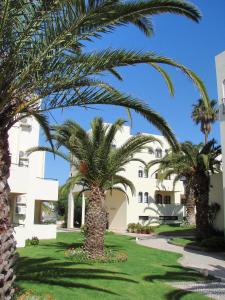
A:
(175, 229)
(44, 270)
(182, 241)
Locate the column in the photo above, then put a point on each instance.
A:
(83, 210)
(70, 213)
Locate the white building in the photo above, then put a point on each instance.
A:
(220, 189)
(153, 202)
(29, 188)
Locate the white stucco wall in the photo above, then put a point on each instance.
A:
(27, 182)
(220, 73)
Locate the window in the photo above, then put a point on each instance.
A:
(168, 177)
(166, 151)
(140, 172)
(145, 197)
(167, 200)
(113, 146)
(145, 173)
(150, 150)
(23, 159)
(143, 218)
(158, 199)
(140, 197)
(158, 153)
(156, 175)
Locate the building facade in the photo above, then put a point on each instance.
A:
(153, 202)
(30, 192)
(219, 190)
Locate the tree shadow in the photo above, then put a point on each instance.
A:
(50, 271)
(177, 294)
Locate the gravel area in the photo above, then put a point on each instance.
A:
(212, 289)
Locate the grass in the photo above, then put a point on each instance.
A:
(145, 274)
(181, 241)
(175, 229)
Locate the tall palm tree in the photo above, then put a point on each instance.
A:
(194, 164)
(43, 66)
(99, 168)
(205, 116)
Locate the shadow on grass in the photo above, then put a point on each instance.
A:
(49, 271)
(177, 294)
(182, 274)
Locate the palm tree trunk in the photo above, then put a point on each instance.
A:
(190, 205)
(7, 242)
(202, 206)
(95, 223)
(206, 137)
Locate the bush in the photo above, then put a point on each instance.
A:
(215, 243)
(138, 228)
(80, 255)
(32, 242)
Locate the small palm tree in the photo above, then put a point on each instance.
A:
(99, 168)
(205, 116)
(194, 164)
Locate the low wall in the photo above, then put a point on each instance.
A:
(43, 232)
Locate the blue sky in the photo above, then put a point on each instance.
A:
(194, 45)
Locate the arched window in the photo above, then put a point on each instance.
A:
(145, 197)
(140, 172)
(158, 199)
(140, 197)
(158, 153)
(167, 200)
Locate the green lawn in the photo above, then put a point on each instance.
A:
(43, 269)
(181, 241)
(175, 229)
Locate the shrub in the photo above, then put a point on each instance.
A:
(80, 255)
(138, 228)
(32, 242)
(215, 243)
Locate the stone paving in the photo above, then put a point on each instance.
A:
(212, 264)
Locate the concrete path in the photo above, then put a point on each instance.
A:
(206, 263)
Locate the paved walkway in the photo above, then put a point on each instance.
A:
(206, 263)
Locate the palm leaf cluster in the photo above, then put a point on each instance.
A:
(42, 55)
(93, 155)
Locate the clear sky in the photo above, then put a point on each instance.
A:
(194, 45)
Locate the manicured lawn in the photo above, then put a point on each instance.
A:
(175, 229)
(181, 241)
(44, 270)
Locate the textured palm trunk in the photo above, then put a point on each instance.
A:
(95, 223)
(7, 242)
(190, 205)
(202, 206)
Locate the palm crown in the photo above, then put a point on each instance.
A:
(42, 57)
(194, 164)
(93, 155)
(205, 116)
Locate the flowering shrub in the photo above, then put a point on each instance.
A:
(29, 295)
(32, 242)
(138, 228)
(80, 255)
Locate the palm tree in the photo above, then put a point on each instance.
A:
(194, 164)
(206, 116)
(43, 66)
(99, 168)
